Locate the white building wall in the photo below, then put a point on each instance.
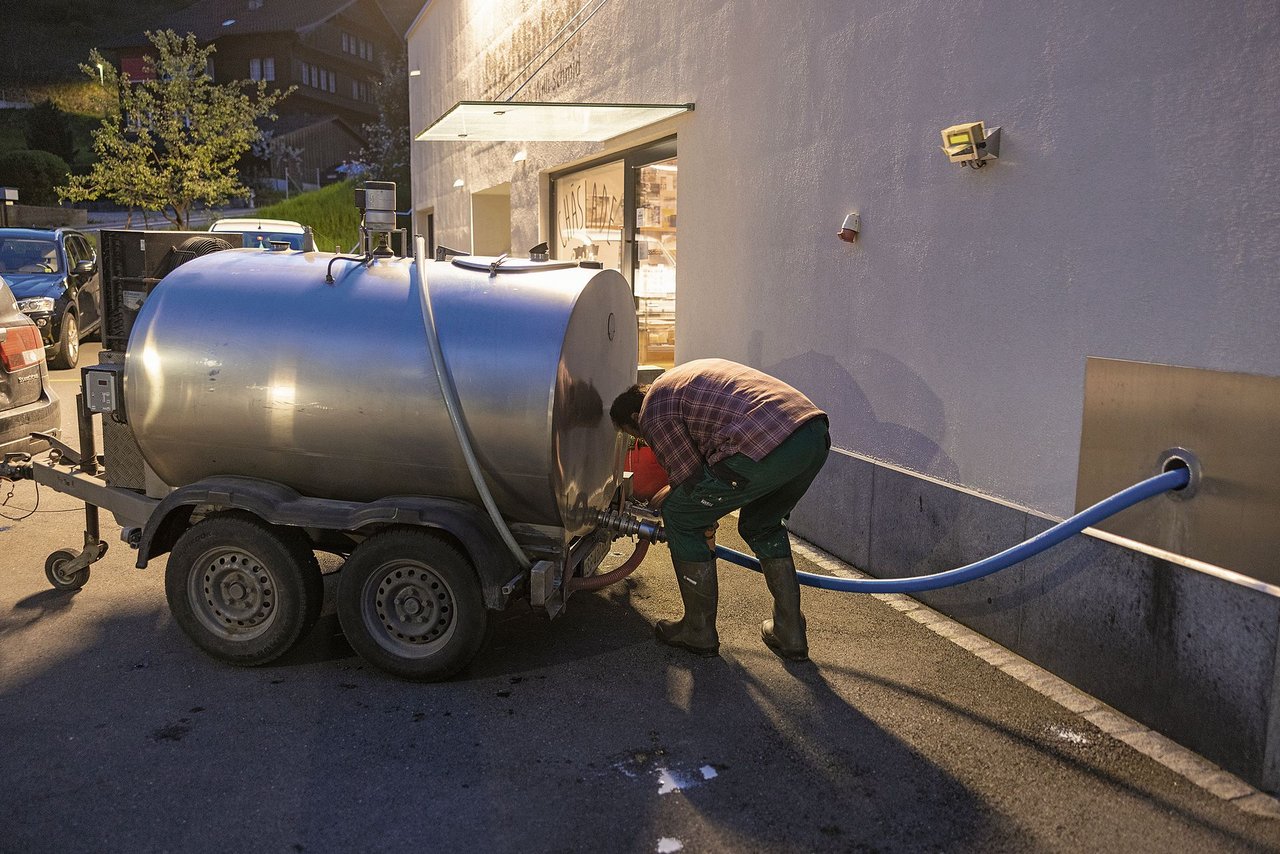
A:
(1133, 212)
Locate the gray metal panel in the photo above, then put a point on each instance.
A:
(1134, 411)
(123, 456)
(125, 466)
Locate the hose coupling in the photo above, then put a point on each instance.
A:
(622, 524)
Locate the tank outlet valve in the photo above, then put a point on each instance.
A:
(626, 525)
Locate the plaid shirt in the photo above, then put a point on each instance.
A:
(707, 410)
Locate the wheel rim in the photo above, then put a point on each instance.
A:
(72, 336)
(60, 573)
(232, 594)
(408, 609)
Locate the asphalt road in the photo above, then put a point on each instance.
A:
(579, 734)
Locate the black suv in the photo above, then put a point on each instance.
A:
(54, 275)
(27, 404)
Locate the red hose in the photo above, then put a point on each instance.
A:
(599, 582)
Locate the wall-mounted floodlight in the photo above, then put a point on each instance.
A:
(459, 183)
(971, 144)
(520, 156)
(417, 72)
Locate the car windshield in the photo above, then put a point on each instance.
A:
(28, 255)
(264, 239)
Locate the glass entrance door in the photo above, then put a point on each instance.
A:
(654, 279)
(622, 213)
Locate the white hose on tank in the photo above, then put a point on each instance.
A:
(454, 406)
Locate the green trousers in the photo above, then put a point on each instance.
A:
(766, 492)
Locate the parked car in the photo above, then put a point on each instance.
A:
(262, 233)
(27, 402)
(54, 275)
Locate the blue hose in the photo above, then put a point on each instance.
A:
(1173, 479)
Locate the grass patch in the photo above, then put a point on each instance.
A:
(330, 211)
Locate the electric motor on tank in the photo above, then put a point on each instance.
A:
(249, 363)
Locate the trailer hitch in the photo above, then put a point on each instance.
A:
(61, 450)
(16, 467)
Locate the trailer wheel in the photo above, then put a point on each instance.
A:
(242, 590)
(411, 605)
(59, 577)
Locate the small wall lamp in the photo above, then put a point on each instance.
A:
(850, 228)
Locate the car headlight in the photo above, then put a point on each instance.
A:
(33, 304)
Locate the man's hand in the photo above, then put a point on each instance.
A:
(655, 503)
(710, 534)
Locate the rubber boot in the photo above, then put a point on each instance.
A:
(696, 631)
(784, 634)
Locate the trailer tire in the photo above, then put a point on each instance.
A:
(410, 603)
(242, 590)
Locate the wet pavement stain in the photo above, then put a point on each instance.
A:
(172, 732)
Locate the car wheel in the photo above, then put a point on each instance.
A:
(411, 605)
(242, 590)
(68, 344)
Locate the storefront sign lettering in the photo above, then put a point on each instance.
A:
(516, 55)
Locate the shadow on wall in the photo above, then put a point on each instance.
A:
(855, 425)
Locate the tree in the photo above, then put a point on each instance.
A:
(172, 141)
(49, 130)
(35, 174)
(386, 156)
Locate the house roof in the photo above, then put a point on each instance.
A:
(402, 13)
(214, 19)
(291, 123)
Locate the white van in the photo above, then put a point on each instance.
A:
(262, 232)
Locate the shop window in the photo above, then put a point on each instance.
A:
(622, 213)
(589, 214)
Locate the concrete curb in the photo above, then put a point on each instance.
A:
(1191, 766)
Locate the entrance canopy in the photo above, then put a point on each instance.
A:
(509, 121)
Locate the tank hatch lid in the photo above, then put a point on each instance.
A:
(499, 264)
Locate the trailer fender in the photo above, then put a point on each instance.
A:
(278, 504)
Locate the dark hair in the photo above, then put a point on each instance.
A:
(625, 410)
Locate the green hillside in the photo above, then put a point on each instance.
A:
(330, 211)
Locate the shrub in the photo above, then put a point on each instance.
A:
(49, 130)
(35, 174)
